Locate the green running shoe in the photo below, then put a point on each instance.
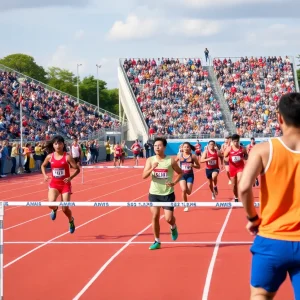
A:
(174, 233)
(155, 245)
(72, 226)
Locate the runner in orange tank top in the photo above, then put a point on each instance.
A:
(276, 248)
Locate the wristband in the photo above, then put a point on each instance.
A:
(253, 219)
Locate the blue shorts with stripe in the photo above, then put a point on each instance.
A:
(272, 260)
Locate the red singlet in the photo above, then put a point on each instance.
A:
(136, 148)
(214, 163)
(236, 161)
(198, 149)
(60, 171)
(118, 151)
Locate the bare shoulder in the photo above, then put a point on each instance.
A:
(260, 152)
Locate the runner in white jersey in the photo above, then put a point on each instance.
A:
(76, 151)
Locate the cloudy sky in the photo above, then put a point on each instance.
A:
(63, 33)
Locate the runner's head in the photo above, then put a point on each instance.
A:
(160, 145)
(187, 148)
(235, 140)
(57, 144)
(289, 111)
(227, 140)
(211, 145)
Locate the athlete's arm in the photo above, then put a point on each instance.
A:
(227, 151)
(73, 164)
(149, 168)
(203, 157)
(44, 165)
(196, 164)
(257, 161)
(178, 171)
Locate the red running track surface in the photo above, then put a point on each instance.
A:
(107, 257)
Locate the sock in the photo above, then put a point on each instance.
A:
(173, 226)
(157, 240)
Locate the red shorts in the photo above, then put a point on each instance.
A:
(233, 171)
(62, 188)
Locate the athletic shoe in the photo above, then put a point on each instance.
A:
(53, 214)
(155, 245)
(72, 226)
(216, 190)
(174, 233)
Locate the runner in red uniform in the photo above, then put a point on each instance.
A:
(211, 157)
(236, 154)
(198, 150)
(224, 161)
(117, 154)
(249, 148)
(60, 183)
(136, 149)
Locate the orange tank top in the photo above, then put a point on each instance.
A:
(280, 194)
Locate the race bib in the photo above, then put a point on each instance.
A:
(117, 152)
(58, 173)
(236, 158)
(137, 149)
(186, 167)
(212, 162)
(161, 173)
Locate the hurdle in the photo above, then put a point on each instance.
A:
(107, 167)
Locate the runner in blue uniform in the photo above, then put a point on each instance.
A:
(187, 162)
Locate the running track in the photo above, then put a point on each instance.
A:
(107, 258)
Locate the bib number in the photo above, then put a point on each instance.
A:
(58, 173)
(161, 173)
(212, 162)
(186, 167)
(236, 159)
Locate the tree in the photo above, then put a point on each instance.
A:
(25, 64)
(62, 80)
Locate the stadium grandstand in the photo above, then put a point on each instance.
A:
(182, 98)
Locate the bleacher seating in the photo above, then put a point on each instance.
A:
(47, 112)
(175, 97)
(252, 87)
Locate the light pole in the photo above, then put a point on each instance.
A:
(98, 67)
(78, 65)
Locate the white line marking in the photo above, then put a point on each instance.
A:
(214, 257)
(101, 270)
(57, 237)
(125, 242)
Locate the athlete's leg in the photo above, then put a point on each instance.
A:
(215, 182)
(295, 279)
(183, 186)
(52, 196)
(155, 211)
(235, 187)
(228, 174)
(66, 210)
(170, 218)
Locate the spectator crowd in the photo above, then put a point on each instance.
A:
(252, 87)
(175, 96)
(45, 112)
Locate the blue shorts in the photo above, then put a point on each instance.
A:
(189, 178)
(209, 172)
(272, 260)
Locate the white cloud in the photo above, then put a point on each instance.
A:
(64, 58)
(205, 3)
(79, 34)
(194, 27)
(133, 28)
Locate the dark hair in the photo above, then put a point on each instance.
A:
(211, 141)
(161, 139)
(58, 138)
(235, 137)
(228, 137)
(289, 108)
(191, 146)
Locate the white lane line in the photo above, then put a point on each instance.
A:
(214, 257)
